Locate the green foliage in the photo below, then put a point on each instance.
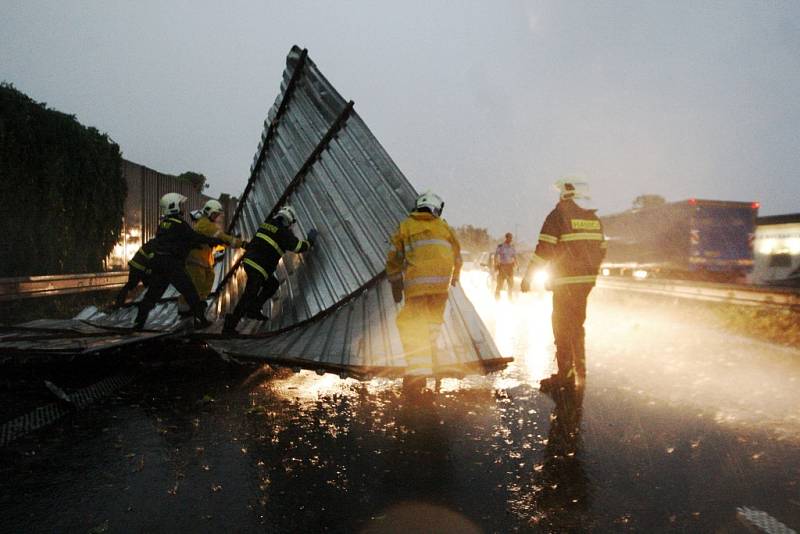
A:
(473, 238)
(197, 179)
(61, 187)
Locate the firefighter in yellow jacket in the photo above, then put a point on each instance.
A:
(424, 261)
(200, 262)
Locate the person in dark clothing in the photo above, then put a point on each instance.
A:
(572, 244)
(138, 271)
(273, 238)
(174, 239)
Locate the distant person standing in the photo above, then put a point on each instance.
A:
(505, 263)
(572, 244)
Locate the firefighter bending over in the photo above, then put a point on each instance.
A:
(571, 243)
(200, 263)
(174, 239)
(138, 271)
(424, 261)
(273, 238)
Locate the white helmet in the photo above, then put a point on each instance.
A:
(572, 188)
(212, 206)
(288, 215)
(172, 203)
(431, 201)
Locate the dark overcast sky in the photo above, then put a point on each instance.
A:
(485, 102)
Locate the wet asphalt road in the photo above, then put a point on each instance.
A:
(680, 424)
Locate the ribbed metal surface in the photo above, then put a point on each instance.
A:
(321, 158)
(334, 309)
(360, 339)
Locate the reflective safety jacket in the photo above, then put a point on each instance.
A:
(572, 244)
(204, 255)
(425, 255)
(271, 241)
(141, 260)
(176, 238)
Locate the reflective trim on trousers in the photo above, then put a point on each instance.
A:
(299, 245)
(270, 241)
(257, 267)
(588, 279)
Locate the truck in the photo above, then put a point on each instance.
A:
(692, 239)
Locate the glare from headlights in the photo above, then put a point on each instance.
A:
(541, 277)
(640, 274)
(606, 272)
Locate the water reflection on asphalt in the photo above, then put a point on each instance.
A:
(679, 425)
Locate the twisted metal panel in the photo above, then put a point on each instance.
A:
(333, 310)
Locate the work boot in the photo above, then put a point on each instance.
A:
(555, 383)
(257, 315)
(230, 324)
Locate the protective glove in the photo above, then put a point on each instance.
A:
(311, 237)
(397, 291)
(237, 242)
(525, 285)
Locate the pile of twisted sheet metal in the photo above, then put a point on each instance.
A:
(334, 310)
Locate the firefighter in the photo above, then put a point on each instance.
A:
(572, 244)
(424, 261)
(138, 271)
(201, 260)
(273, 238)
(505, 263)
(174, 239)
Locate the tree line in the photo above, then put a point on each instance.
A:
(62, 190)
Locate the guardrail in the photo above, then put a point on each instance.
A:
(730, 293)
(60, 284)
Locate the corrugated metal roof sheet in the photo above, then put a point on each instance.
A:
(334, 309)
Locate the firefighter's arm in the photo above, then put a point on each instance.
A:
(545, 248)
(210, 229)
(394, 265)
(289, 242)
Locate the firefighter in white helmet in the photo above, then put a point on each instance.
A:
(424, 261)
(272, 240)
(174, 239)
(572, 245)
(200, 262)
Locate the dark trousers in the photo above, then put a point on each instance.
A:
(505, 276)
(134, 277)
(569, 314)
(168, 270)
(256, 293)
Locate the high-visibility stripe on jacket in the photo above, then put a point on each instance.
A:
(572, 244)
(269, 243)
(425, 254)
(204, 255)
(141, 260)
